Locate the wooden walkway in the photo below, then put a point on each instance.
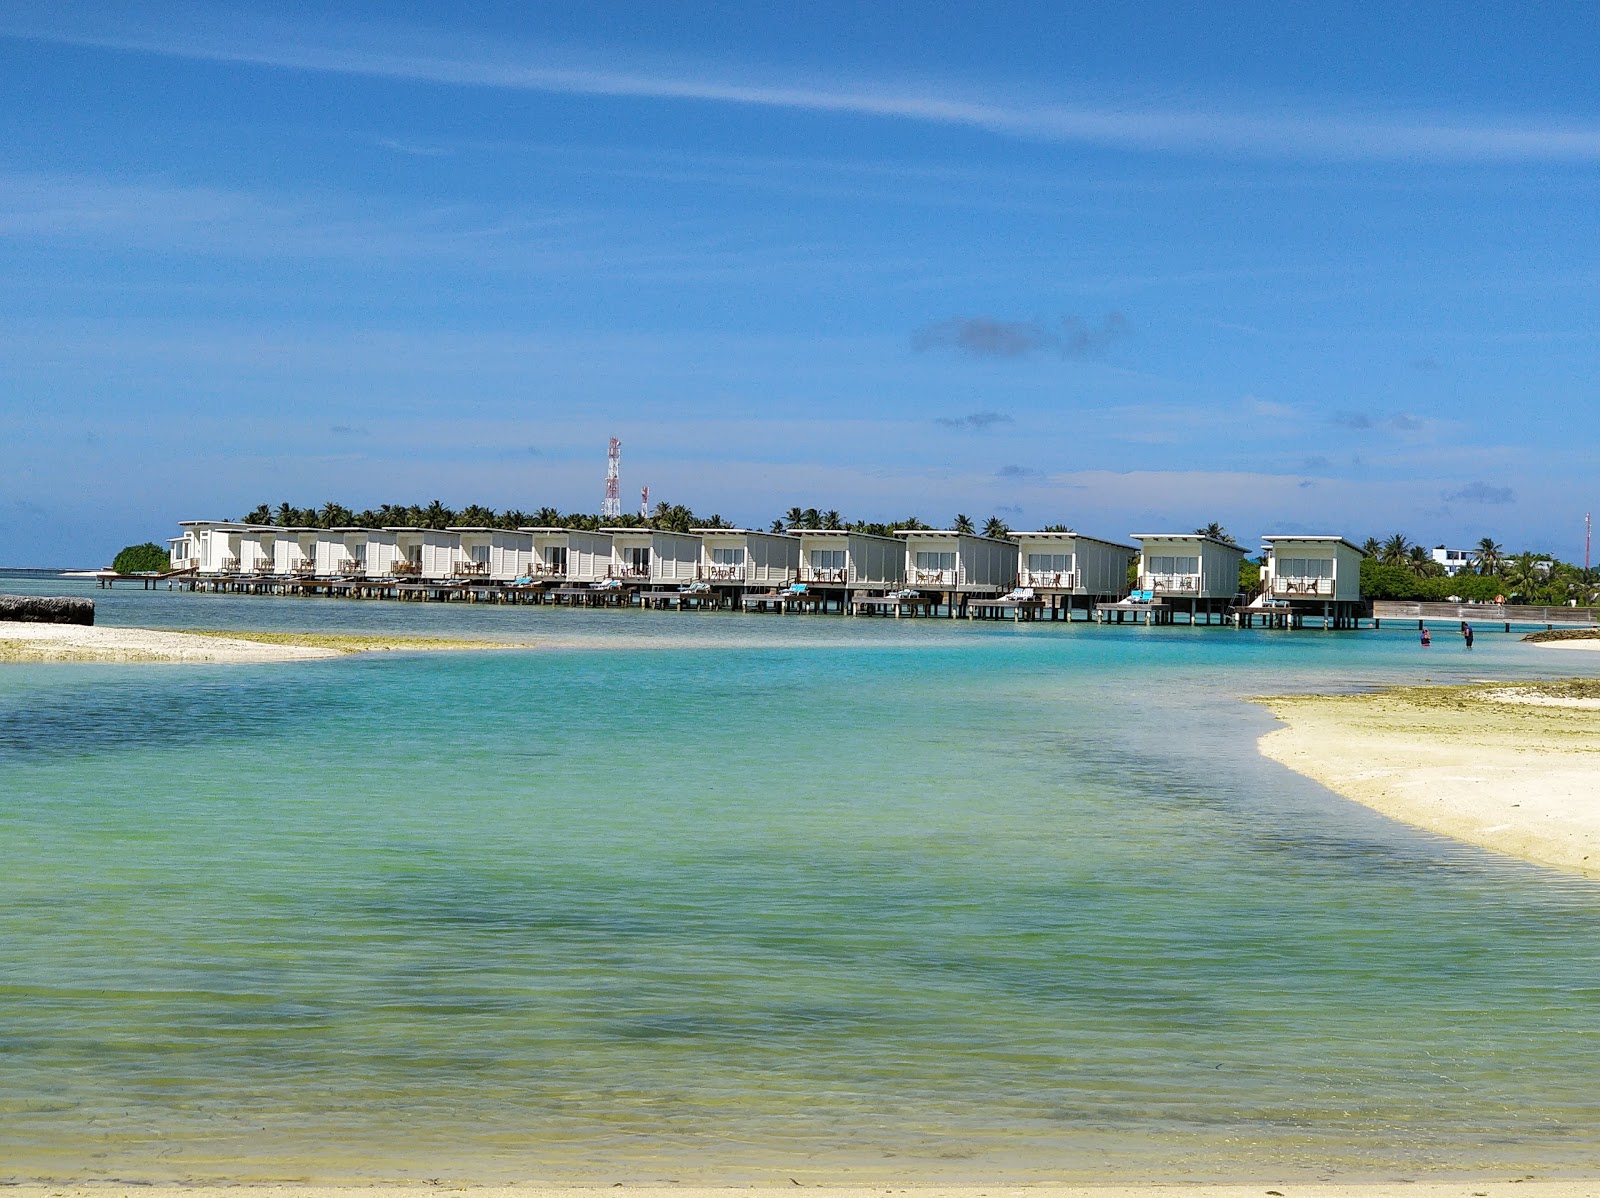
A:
(1504, 614)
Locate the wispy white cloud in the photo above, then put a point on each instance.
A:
(424, 58)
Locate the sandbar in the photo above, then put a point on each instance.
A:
(1500, 1187)
(25, 642)
(1512, 767)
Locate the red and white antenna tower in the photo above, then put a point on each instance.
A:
(644, 501)
(612, 507)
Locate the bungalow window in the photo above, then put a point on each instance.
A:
(727, 557)
(1305, 567)
(479, 554)
(1173, 565)
(936, 561)
(639, 559)
(555, 557)
(827, 559)
(1049, 563)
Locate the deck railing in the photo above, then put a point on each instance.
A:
(629, 573)
(932, 578)
(1059, 580)
(469, 569)
(350, 568)
(405, 568)
(720, 573)
(230, 565)
(1180, 584)
(828, 574)
(305, 568)
(1304, 588)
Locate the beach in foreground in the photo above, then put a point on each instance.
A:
(21, 642)
(1508, 767)
(1498, 1188)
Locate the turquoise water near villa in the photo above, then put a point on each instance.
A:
(726, 897)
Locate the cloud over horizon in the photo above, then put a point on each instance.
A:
(989, 337)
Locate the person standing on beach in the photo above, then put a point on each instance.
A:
(1466, 633)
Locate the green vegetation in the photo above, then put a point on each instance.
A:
(148, 558)
(669, 517)
(1397, 569)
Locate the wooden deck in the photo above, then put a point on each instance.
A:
(1504, 614)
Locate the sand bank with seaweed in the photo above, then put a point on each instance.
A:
(22, 642)
(1511, 767)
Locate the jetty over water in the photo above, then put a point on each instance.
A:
(1508, 615)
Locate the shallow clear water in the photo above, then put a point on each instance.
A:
(737, 897)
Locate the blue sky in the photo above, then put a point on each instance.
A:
(1325, 268)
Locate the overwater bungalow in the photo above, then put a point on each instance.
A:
(740, 557)
(1068, 570)
(1188, 572)
(496, 554)
(856, 560)
(1318, 576)
(548, 560)
(589, 556)
(212, 546)
(957, 565)
(650, 557)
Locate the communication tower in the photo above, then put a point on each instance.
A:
(612, 507)
(644, 502)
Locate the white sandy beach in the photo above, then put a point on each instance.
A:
(1513, 768)
(1500, 1187)
(25, 642)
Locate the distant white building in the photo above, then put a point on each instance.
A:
(1454, 560)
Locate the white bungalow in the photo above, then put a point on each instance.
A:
(426, 553)
(1188, 566)
(1312, 568)
(830, 557)
(494, 553)
(1073, 563)
(295, 551)
(257, 552)
(947, 560)
(212, 546)
(744, 556)
(588, 556)
(550, 552)
(340, 552)
(654, 557)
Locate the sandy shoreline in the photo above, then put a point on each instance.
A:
(21, 642)
(1511, 767)
(1500, 1187)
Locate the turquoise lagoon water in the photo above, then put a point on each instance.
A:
(725, 897)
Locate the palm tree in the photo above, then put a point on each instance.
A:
(811, 518)
(964, 523)
(1371, 547)
(1489, 556)
(285, 515)
(547, 517)
(832, 521)
(793, 517)
(777, 526)
(261, 515)
(1056, 528)
(1215, 531)
(1394, 550)
(996, 528)
(436, 515)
